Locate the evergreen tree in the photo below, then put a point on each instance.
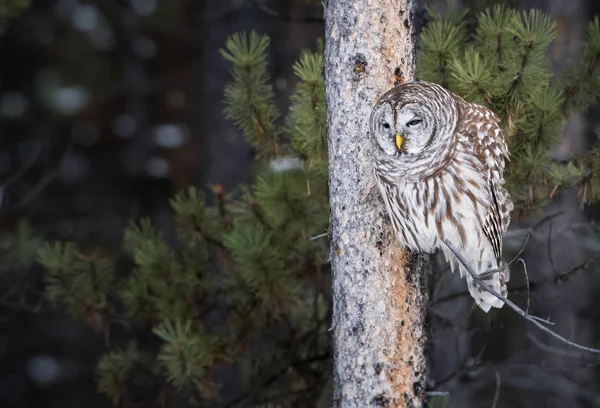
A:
(505, 65)
(245, 278)
(246, 285)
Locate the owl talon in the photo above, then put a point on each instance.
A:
(489, 273)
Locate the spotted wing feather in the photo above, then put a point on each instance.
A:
(480, 125)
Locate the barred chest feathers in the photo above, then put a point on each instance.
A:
(443, 206)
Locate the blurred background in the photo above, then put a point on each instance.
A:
(108, 107)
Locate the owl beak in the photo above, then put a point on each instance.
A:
(399, 141)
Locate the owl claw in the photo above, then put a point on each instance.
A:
(489, 273)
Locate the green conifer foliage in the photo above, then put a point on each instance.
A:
(187, 353)
(78, 281)
(504, 65)
(120, 371)
(582, 81)
(249, 97)
(244, 280)
(308, 127)
(246, 283)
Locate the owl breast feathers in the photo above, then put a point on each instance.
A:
(439, 164)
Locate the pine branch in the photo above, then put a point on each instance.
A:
(534, 31)
(491, 30)
(79, 281)
(441, 40)
(249, 97)
(196, 224)
(474, 77)
(582, 83)
(187, 355)
(307, 120)
(114, 371)
(262, 267)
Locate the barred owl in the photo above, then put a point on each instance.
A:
(439, 164)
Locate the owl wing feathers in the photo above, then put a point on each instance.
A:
(480, 125)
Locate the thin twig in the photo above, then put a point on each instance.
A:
(437, 393)
(512, 305)
(526, 283)
(521, 250)
(545, 321)
(550, 349)
(532, 229)
(523, 288)
(318, 236)
(498, 383)
(563, 275)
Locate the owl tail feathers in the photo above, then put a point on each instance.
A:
(497, 281)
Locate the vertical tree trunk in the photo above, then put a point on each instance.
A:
(379, 294)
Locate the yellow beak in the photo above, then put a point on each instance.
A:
(399, 140)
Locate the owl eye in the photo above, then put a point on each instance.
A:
(386, 125)
(414, 122)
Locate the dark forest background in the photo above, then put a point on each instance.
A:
(110, 107)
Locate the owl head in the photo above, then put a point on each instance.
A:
(413, 119)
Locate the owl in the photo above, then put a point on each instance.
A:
(439, 164)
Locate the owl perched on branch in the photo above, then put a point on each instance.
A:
(439, 163)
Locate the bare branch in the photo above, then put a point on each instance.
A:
(526, 288)
(531, 230)
(437, 393)
(521, 250)
(564, 275)
(545, 321)
(513, 306)
(318, 236)
(526, 283)
(553, 350)
(498, 383)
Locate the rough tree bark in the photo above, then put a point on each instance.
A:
(378, 292)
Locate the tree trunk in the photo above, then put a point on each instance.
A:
(378, 292)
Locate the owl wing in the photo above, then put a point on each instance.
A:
(480, 125)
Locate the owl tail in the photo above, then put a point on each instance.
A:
(496, 281)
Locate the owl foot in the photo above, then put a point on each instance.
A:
(489, 273)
